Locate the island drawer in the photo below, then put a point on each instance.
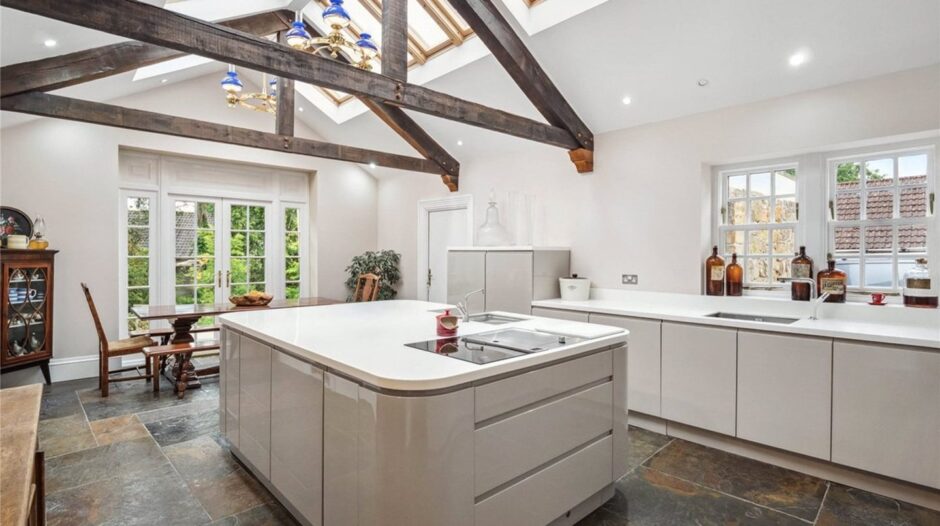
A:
(503, 396)
(548, 494)
(511, 447)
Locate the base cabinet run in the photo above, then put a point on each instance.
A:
(526, 450)
(886, 411)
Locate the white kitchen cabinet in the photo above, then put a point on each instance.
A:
(254, 419)
(297, 434)
(784, 391)
(466, 272)
(229, 385)
(512, 277)
(643, 361)
(509, 281)
(886, 411)
(558, 314)
(698, 376)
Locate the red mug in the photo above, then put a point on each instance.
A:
(877, 298)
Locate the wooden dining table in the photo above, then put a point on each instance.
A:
(183, 317)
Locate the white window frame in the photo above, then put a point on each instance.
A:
(302, 225)
(832, 164)
(724, 226)
(154, 256)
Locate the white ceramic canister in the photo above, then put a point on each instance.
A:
(575, 288)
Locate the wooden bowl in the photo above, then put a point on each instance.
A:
(251, 301)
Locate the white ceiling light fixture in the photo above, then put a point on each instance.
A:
(799, 58)
(459, 143)
(163, 81)
(626, 100)
(301, 108)
(50, 42)
(702, 83)
(372, 165)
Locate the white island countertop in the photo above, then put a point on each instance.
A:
(892, 324)
(367, 341)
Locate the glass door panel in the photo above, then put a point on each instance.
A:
(26, 324)
(246, 247)
(196, 245)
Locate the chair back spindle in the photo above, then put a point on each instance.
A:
(367, 288)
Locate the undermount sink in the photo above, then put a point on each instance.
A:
(752, 317)
(494, 319)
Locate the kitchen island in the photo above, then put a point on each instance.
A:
(361, 414)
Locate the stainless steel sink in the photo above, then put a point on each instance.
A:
(522, 340)
(494, 319)
(752, 317)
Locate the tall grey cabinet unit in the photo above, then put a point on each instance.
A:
(512, 277)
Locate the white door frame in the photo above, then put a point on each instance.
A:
(425, 207)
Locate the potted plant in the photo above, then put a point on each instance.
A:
(383, 263)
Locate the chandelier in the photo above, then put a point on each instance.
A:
(265, 101)
(361, 52)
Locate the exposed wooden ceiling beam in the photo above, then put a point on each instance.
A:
(154, 25)
(91, 64)
(284, 118)
(495, 31)
(46, 105)
(395, 39)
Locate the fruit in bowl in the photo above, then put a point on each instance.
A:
(252, 299)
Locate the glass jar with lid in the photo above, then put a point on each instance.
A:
(918, 291)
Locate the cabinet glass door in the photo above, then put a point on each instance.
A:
(25, 317)
(246, 247)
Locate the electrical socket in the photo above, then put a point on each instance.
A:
(629, 279)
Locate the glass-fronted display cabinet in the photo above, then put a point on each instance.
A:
(27, 309)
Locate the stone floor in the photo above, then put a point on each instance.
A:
(137, 458)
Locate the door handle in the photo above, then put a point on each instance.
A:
(219, 273)
(429, 277)
(228, 278)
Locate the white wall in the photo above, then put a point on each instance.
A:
(646, 208)
(68, 173)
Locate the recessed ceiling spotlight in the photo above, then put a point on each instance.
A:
(799, 58)
(49, 42)
(372, 165)
(626, 100)
(301, 108)
(163, 81)
(459, 143)
(702, 83)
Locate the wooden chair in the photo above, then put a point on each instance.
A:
(114, 348)
(367, 288)
(183, 351)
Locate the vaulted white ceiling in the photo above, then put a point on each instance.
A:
(653, 51)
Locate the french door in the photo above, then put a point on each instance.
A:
(222, 247)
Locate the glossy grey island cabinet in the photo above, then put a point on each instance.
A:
(541, 445)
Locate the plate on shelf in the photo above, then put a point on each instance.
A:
(14, 222)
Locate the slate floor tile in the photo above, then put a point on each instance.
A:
(196, 406)
(158, 497)
(186, 427)
(265, 515)
(772, 486)
(117, 429)
(202, 458)
(132, 457)
(59, 404)
(229, 494)
(60, 436)
(647, 497)
(137, 397)
(642, 444)
(849, 506)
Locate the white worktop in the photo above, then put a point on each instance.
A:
(367, 341)
(893, 324)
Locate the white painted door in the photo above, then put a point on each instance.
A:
(195, 273)
(446, 228)
(246, 247)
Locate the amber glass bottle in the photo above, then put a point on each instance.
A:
(715, 274)
(801, 267)
(833, 281)
(734, 277)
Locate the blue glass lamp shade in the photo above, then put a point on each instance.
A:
(335, 16)
(367, 45)
(298, 36)
(231, 83)
(272, 87)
